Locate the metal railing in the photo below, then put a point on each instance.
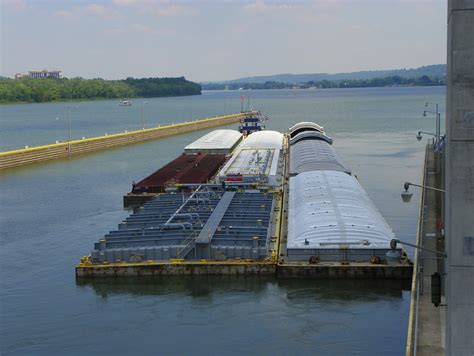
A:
(188, 245)
(417, 282)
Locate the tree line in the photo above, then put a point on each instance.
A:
(325, 84)
(30, 90)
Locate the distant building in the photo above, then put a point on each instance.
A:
(45, 74)
(35, 74)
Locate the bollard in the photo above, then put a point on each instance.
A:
(436, 289)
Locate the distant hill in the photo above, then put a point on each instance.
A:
(435, 70)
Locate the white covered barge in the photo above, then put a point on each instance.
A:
(257, 160)
(215, 142)
(331, 218)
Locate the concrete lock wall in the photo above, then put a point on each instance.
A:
(26, 156)
(460, 179)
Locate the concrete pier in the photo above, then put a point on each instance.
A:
(426, 322)
(32, 155)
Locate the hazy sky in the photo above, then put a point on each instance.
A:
(216, 40)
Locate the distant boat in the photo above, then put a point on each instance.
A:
(252, 123)
(125, 103)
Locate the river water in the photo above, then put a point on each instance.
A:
(52, 213)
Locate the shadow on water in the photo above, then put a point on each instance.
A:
(340, 291)
(194, 286)
(200, 286)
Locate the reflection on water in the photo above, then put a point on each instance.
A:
(325, 291)
(340, 291)
(194, 286)
(263, 315)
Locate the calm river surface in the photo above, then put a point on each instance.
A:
(52, 213)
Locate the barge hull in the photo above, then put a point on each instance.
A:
(350, 271)
(302, 270)
(176, 269)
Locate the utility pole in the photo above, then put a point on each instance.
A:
(69, 130)
(438, 126)
(143, 114)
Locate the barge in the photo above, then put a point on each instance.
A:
(281, 204)
(199, 162)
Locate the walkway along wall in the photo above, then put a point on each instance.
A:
(26, 156)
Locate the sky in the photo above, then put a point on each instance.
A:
(219, 39)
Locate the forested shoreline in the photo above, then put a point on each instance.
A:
(327, 84)
(27, 90)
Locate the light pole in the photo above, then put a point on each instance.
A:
(406, 195)
(143, 114)
(394, 242)
(436, 289)
(437, 146)
(438, 120)
(419, 137)
(69, 108)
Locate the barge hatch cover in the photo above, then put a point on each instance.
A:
(332, 217)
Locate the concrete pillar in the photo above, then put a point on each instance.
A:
(460, 179)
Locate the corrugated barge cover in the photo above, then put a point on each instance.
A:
(328, 210)
(256, 159)
(187, 168)
(252, 162)
(264, 140)
(305, 126)
(204, 170)
(310, 135)
(217, 141)
(314, 155)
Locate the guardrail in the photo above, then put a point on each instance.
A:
(417, 273)
(32, 155)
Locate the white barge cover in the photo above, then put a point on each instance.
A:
(314, 155)
(257, 159)
(310, 135)
(217, 141)
(330, 216)
(264, 140)
(305, 126)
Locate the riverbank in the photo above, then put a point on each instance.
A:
(27, 90)
(86, 100)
